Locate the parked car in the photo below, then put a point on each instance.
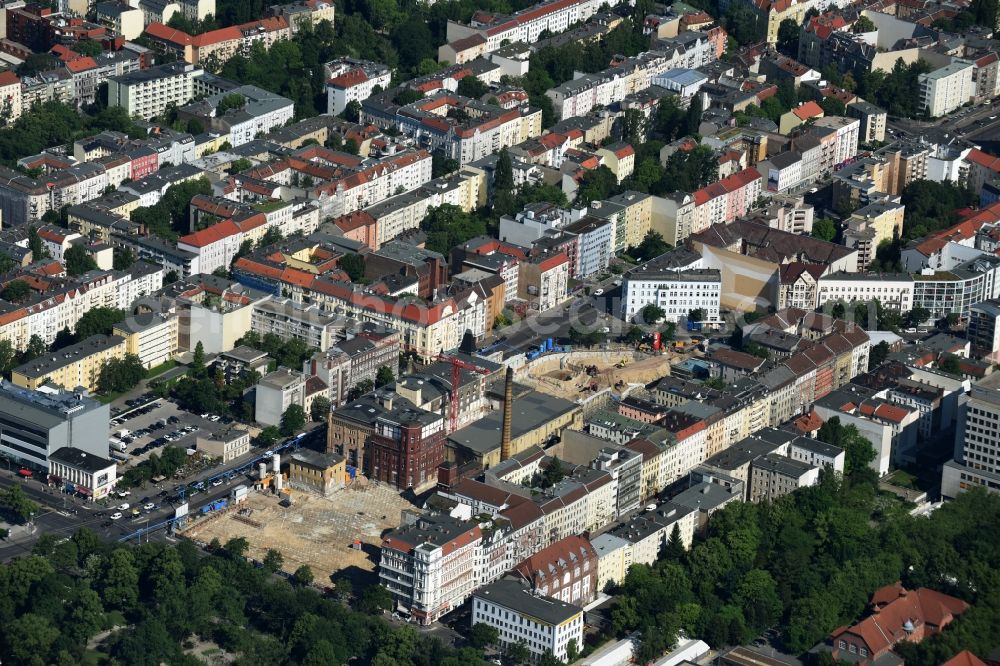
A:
(116, 515)
(148, 506)
(123, 507)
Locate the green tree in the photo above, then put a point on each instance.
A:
(293, 420)
(375, 599)
(652, 314)
(652, 246)
(98, 321)
(858, 451)
(554, 473)
(483, 635)
(788, 38)
(448, 226)
(950, 364)
(360, 389)
(16, 291)
(597, 185)
(78, 260)
(353, 265)
(833, 107)
(503, 177)
(518, 652)
(384, 376)
(304, 575)
(863, 24)
(120, 375)
(17, 504)
(877, 355)
(197, 367)
(319, 408)
(123, 259)
(471, 86)
(696, 315)
(824, 229)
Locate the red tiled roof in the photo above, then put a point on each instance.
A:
(808, 110)
(964, 658)
(167, 34)
(350, 78)
(212, 234)
(81, 64)
(977, 156)
(9, 78)
(882, 630)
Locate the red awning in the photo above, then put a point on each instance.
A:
(26, 473)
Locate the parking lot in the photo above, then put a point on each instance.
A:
(158, 423)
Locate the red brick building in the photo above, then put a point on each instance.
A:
(566, 570)
(406, 446)
(897, 614)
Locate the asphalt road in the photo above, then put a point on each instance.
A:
(62, 514)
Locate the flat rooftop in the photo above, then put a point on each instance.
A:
(511, 594)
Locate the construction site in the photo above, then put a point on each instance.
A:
(330, 534)
(578, 374)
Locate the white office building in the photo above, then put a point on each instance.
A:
(148, 92)
(677, 292)
(543, 624)
(353, 80)
(947, 88)
(977, 449)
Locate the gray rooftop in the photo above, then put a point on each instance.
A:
(530, 412)
(511, 594)
(74, 457)
(51, 361)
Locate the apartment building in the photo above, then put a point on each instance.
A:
(946, 88)
(726, 199)
(491, 32)
(276, 392)
(226, 445)
(775, 476)
(873, 120)
(36, 424)
(465, 129)
(543, 624)
(75, 366)
(867, 228)
(11, 104)
(148, 92)
(956, 290)
(984, 329)
(977, 450)
(893, 290)
(261, 111)
(565, 570)
(293, 321)
(345, 183)
(153, 337)
(81, 472)
(353, 80)
(120, 18)
(595, 244)
(676, 292)
(543, 280)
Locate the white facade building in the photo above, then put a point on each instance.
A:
(677, 292)
(352, 80)
(544, 624)
(945, 89)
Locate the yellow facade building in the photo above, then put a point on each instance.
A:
(75, 366)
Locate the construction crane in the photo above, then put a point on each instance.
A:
(458, 364)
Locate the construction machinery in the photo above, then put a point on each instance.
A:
(457, 365)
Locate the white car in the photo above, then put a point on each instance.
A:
(605, 329)
(148, 506)
(217, 482)
(598, 292)
(116, 515)
(123, 507)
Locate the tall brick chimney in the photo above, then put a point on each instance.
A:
(508, 414)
